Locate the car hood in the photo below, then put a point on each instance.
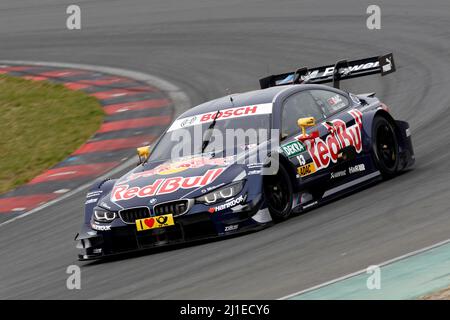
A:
(158, 182)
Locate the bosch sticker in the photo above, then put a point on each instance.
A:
(224, 114)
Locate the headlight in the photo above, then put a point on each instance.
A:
(103, 215)
(222, 193)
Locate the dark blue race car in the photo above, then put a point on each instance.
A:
(323, 143)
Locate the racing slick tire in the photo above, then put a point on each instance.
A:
(385, 147)
(278, 192)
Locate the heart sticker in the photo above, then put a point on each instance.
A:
(149, 222)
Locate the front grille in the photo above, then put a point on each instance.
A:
(131, 215)
(176, 208)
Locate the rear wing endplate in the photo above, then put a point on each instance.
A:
(342, 70)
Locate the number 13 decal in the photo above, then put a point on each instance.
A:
(301, 160)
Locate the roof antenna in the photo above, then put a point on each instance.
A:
(230, 96)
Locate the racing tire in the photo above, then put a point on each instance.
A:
(385, 147)
(278, 192)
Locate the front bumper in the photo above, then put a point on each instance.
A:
(190, 227)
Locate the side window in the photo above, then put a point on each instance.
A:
(331, 102)
(300, 105)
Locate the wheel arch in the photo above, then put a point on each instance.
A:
(387, 172)
(290, 168)
(288, 171)
(368, 119)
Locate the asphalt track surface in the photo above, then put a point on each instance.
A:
(207, 47)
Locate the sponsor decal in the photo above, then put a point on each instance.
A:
(99, 227)
(306, 170)
(94, 194)
(91, 201)
(212, 187)
(188, 121)
(358, 168)
(293, 148)
(227, 205)
(164, 186)
(231, 228)
(155, 222)
(327, 72)
(312, 204)
(255, 165)
(387, 64)
(178, 166)
(334, 100)
(301, 160)
(254, 172)
(324, 152)
(351, 170)
(338, 174)
(224, 114)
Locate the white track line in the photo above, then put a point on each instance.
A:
(180, 100)
(413, 253)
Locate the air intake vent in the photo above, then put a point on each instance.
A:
(131, 215)
(176, 208)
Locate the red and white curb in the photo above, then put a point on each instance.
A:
(133, 102)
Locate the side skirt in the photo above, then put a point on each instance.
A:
(336, 192)
(338, 189)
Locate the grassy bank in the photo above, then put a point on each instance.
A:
(42, 123)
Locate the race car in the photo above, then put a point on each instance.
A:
(323, 143)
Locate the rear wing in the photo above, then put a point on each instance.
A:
(342, 70)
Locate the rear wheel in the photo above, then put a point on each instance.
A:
(385, 147)
(278, 192)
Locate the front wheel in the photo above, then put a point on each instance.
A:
(385, 147)
(278, 192)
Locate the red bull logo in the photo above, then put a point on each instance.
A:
(164, 186)
(323, 152)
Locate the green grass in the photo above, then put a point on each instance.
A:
(41, 124)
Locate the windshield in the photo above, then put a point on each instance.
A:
(235, 130)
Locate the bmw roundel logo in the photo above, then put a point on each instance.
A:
(152, 201)
(188, 121)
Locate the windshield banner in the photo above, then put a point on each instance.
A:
(224, 114)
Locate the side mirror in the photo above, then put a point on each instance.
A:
(306, 122)
(143, 153)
